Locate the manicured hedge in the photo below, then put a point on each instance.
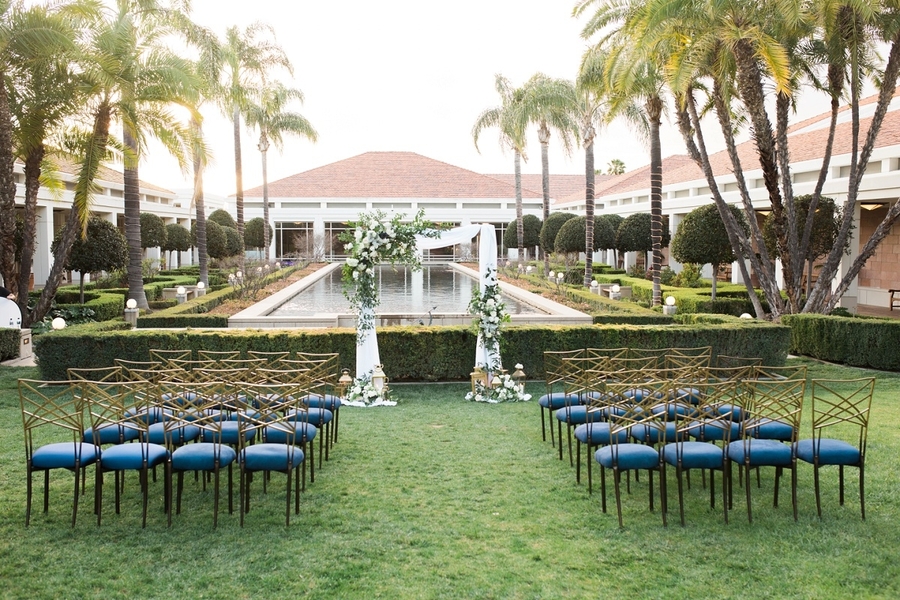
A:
(408, 353)
(873, 343)
(9, 343)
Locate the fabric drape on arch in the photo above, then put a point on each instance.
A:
(367, 355)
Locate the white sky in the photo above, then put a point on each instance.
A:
(405, 75)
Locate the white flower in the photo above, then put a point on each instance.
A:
(352, 262)
(519, 366)
(355, 274)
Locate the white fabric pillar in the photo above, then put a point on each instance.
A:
(367, 355)
(487, 355)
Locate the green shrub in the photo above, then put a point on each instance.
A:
(408, 353)
(852, 341)
(9, 343)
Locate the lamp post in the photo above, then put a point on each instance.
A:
(201, 288)
(615, 292)
(181, 295)
(669, 308)
(131, 312)
(595, 287)
(551, 276)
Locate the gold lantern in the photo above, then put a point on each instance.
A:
(344, 382)
(478, 376)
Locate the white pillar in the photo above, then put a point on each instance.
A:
(43, 258)
(851, 297)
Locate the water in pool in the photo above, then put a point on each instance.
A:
(436, 288)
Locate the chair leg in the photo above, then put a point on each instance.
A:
(816, 485)
(747, 489)
(216, 495)
(578, 461)
(726, 488)
(145, 488)
(178, 492)
(603, 487)
(98, 493)
(778, 471)
(617, 475)
(841, 483)
(46, 491)
(543, 425)
(75, 499)
(559, 432)
(862, 488)
(287, 497)
(569, 435)
(794, 488)
(28, 489)
(590, 464)
(679, 472)
(297, 490)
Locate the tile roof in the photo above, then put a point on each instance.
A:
(560, 185)
(71, 167)
(389, 175)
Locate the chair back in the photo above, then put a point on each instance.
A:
(272, 358)
(218, 355)
(129, 406)
(773, 402)
(840, 410)
(714, 419)
(555, 370)
(114, 373)
(161, 355)
(791, 372)
(57, 405)
(638, 404)
(724, 361)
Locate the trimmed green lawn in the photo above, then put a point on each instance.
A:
(441, 498)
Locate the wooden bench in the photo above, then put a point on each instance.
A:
(895, 299)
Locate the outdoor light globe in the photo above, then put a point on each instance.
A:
(278, 265)
(670, 300)
(594, 283)
(552, 275)
(132, 303)
(200, 285)
(58, 323)
(616, 289)
(239, 275)
(560, 276)
(746, 316)
(180, 290)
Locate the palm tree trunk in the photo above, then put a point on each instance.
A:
(7, 190)
(264, 147)
(520, 226)
(133, 221)
(589, 205)
(238, 171)
(654, 113)
(32, 186)
(199, 205)
(544, 139)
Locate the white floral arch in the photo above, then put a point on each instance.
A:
(376, 241)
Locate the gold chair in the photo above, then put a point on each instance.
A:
(115, 373)
(555, 373)
(272, 358)
(769, 433)
(218, 355)
(725, 361)
(840, 425)
(162, 355)
(57, 407)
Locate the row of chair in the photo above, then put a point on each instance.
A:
(118, 422)
(696, 417)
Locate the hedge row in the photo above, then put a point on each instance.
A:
(9, 343)
(193, 313)
(852, 341)
(408, 353)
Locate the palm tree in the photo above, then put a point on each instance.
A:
(134, 80)
(550, 104)
(43, 93)
(591, 106)
(636, 82)
(615, 167)
(273, 122)
(507, 118)
(246, 58)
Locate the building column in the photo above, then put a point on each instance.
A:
(851, 297)
(43, 258)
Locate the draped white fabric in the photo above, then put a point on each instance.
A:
(367, 355)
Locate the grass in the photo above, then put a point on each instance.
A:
(440, 498)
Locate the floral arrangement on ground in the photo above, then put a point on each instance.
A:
(362, 392)
(502, 388)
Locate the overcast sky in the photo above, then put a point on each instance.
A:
(405, 75)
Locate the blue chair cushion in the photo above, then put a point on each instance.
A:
(577, 415)
(202, 457)
(62, 455)
(597, 434)
(150, 415)
(770, 430)
(674, 410)
(737, 412)
(281, 432)
(156, 434)
(271, 457)
(694, 455)
(831, 452)
(113, 434)
(558, 400)
(316, 416)
(627, 456)
(761, 452)
(230, 433)
(131, 456)
(328, 401)
(648, 434)
(712, 430)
